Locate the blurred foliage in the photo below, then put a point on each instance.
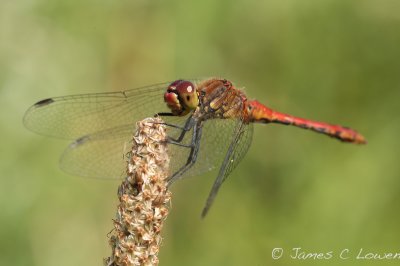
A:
(333, 60)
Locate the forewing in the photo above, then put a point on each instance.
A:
(75, 116)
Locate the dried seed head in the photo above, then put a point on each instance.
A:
(144, 198)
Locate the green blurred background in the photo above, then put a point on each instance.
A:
(334, 60)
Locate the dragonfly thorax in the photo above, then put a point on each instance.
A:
(181, 97)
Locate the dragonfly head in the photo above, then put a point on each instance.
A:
(181, 97)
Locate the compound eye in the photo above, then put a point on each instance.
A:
(187, 93)
(174, 84)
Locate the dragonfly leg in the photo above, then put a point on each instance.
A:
(172, 141)
(170, 125)
(189, 124)
(164, 114)
(167, 124)
(194, 146)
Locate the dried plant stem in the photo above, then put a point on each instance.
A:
(144, 199)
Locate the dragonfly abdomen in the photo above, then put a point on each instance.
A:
(262, 114)
(339, 132)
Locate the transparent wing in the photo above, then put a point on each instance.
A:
(241, 141)
(75, 116)
(97, 155)
(239, 145)
(103, 154)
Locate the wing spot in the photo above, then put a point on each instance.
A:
(44, 102)
(79, 141)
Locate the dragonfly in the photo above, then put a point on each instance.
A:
(209, 125)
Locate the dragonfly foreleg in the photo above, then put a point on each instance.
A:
(164, 114)
(190, 122)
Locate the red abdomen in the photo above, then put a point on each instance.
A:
(262, 114)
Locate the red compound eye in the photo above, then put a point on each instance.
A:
(174, 84)
(181, 87)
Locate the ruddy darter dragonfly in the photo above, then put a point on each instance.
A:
(210, 124)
